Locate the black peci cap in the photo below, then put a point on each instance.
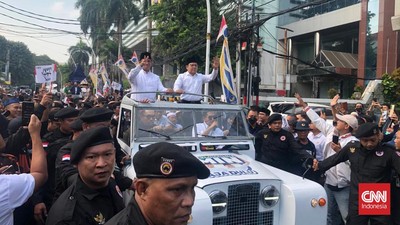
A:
(67, 112)
(144, 54)
(274, 117)
(367, 130)
(193, 59)
(97, 114)
(167, 160)
(89, 138)
(302, 126)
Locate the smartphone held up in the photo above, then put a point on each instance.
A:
(27, 111)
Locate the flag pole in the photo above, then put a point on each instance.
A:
(208, 37)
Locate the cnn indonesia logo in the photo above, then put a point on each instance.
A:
(374, 199)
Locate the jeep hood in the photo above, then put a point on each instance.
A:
(227, 167)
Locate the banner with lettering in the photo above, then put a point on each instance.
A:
(45, 73)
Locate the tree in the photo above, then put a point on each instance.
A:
(391, 87)
(79, 54)
(100, 16)
(182, 24)
(21, 64)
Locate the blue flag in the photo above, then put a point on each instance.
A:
(228, 85)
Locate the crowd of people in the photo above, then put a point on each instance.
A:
(69, 161)
(64, 167)
(290, 142)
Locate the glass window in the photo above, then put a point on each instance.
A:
(125, 126)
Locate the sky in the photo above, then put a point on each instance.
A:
(40, 40)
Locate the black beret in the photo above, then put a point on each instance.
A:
(302, 125)
(167, 160)
(144, 54)
(88, 138)
(76, 125)
(52, 114)
(97, 114)
(67, 112)
(113, 104)
(367, 130)
(274, 117)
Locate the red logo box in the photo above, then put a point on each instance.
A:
(374, 199)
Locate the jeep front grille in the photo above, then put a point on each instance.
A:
(242, 209)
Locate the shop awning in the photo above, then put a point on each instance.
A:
(336, 59)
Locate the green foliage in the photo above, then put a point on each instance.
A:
(182, 26)
(21, 64)
(332, 92)
(79, 54)
(391, 87)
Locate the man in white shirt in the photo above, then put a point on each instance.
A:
(143, 80)
(209, 127)
(192, 82)
(15, 189)
(337, 184)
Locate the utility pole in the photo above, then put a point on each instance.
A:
(238, 55)
(251, 58)
(285, 45)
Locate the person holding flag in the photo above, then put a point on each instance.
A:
(143, 80)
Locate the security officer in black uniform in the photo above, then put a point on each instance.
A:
(44, 198)
(164, 187)
(370, 162)
(91, 118)
(93, 198)
(278, 148)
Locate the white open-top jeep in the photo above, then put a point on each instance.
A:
(240, 190)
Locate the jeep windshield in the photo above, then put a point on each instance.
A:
(188, 123)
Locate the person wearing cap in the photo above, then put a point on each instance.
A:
(263, 114)
(337, 182)
(302, 129)
(93, 198)
(13, 107)
(192, 82)
(252, 119)
(172, 125)
(52, 123)
(278, 148)
(166, 175)
(91, 118)
(143, 80)
(371, 161)
(61, 136)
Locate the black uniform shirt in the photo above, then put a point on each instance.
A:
(280, 149)
(367, 166)
(131, 215)
(80, 205)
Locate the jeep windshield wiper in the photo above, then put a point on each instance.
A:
(167, 137)
(210, 136)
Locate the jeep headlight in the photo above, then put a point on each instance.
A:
(219, 201)
(269, 196)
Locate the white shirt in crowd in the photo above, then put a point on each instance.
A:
(319, 142)
(201, 127)
(338, 175)
(15, 190)
(193, 84)
(142, 81)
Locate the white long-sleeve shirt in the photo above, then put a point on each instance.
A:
(338, 175)
(15, 190)
(193, 84)
(142, 81)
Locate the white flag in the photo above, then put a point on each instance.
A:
(46, 73)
